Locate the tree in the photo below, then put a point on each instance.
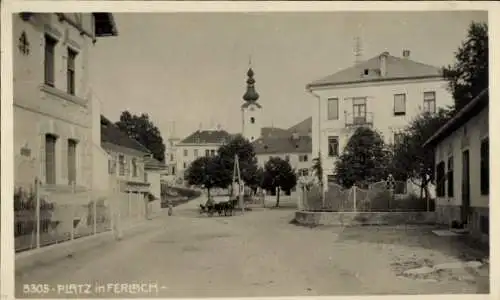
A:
(364, 159)
(207, 172)
(278, 174)
(247, 160)
(142, 129)
(468, 76)
(409, 159)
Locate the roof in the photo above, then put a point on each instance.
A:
(285, 141)
(248, 103)
(397, 68)
(152, 163)
(207, 137)
(473, 108)
(301, 144)
(273, 132)
(302, 128)
(110, 133)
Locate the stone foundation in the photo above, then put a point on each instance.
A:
(480, 231)
(364, 218)
(445, 214)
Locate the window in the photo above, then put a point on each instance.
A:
(333, 109)
(173, 170)
(71, 161)
(303, 172)
(303, 158)
(70, 72)
(252, 120)
(207, 152)
(50, 158)
(49, 63)
(185, 165)
(484, 224)
(399, 104)
(185, 152)
(359, 110)
(134, 167)
(450, 176)
(333, 146)
(121, 165)
(398, 138)
(195, 152)
(212, 152)
(430, 102)
(485, 167)
(171, 157)
(145, 177)
(440, 180)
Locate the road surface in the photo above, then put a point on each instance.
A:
(256, 254)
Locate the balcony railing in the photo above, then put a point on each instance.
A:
(358, 120)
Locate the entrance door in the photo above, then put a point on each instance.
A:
(465, 209)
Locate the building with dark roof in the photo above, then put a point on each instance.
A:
(293, 144)
(127, 158)
(461, 149)
(384, 93)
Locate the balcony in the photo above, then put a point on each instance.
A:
(357, 120)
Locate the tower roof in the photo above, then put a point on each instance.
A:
(251, 95)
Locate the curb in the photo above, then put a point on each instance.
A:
(31, 259)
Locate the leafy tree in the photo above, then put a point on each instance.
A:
(247, 160)
(410, 160)
(207, 172)
(142, 129)
(278, 174)
(364, 159)
(317, 167)
(468, 76)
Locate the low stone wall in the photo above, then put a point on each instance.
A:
(364, 218)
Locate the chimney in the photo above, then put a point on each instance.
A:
(406, 53)
(383, 64)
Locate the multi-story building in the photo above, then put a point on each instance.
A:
(199, 143)
(293, 145)
(384, 93)
(462, 153)
(52, 110)
(126, 169)
(171, 160)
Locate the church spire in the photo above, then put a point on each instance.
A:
(251, 95)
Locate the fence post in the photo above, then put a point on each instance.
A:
(37, 211)
(354, 196)
(94, 208)
(72, 220)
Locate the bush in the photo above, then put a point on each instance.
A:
(25, 213)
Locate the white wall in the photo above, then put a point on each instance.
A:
(294, 159)
(380, 103)
(477, 130)
(190, 157)
(40, 109)
(251, 131)
(154, 178)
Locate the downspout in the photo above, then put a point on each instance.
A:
(319, 134)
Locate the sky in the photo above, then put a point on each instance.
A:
(188, 70)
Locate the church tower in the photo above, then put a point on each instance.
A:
(251, 111)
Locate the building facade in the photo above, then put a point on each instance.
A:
(199, 143)
(293, 145)
(52, 110)
(384, 93)
(461, 149)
